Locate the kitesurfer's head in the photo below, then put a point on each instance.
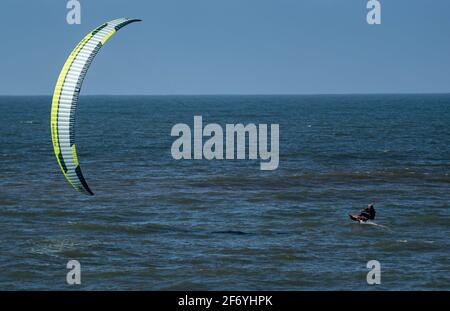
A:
(370, 205)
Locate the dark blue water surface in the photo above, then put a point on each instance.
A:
(158, 223)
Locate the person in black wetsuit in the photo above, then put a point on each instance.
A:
(368, 213)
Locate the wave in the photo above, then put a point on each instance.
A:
(406, 245)
(133, 228)
(299, 179)
(232, 232)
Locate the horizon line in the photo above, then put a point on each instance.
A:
(242, 94)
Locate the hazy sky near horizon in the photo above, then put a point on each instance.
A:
(232, 47)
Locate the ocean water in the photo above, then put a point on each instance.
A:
(160, 224)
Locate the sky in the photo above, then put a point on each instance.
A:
(232, 47)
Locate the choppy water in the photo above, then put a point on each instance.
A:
(158, 223)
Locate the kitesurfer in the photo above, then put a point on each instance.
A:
(368, 213)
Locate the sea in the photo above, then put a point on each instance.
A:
(156, 223)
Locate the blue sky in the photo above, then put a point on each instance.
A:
(232, 47)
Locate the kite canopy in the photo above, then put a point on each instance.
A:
(65, 98)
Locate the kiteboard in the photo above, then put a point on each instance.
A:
(355, 217)
(365, 221)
